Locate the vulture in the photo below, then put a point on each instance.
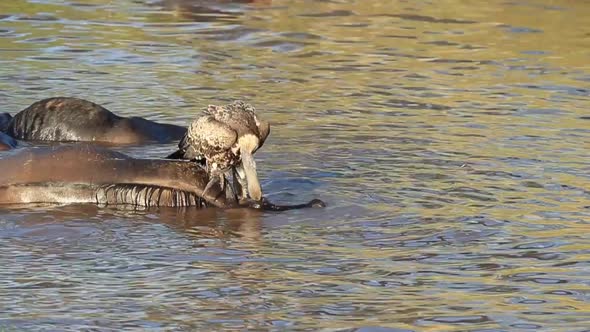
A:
(225, 138)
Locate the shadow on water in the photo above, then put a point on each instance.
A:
(46, 223)
(207, 10)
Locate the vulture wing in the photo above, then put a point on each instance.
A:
(208, 136)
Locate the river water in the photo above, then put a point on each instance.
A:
(450, 140)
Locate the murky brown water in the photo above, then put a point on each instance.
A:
(450, 139)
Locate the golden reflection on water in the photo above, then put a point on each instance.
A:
(449, 138)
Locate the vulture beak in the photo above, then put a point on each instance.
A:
(246, 170)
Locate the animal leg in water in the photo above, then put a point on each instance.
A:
(230, 186)
(220, 177)
(212, 181)
(240, 182)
